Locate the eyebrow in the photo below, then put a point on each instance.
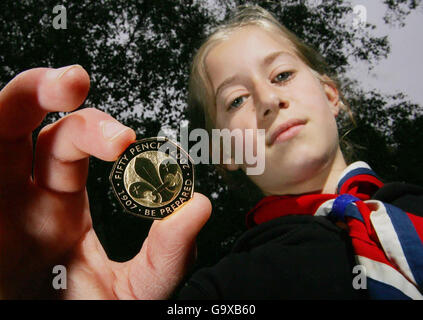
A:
(266, 61)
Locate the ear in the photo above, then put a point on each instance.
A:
(332, 95)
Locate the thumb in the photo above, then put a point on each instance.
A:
(168, 251)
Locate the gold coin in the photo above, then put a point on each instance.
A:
(153, 178)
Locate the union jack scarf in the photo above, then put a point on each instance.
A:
(387, 241)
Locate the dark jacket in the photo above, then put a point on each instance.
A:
(293, 257)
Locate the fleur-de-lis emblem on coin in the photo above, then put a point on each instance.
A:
(157, 184)
(153, 178)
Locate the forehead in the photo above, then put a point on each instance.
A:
(249, 42)
(245, 47)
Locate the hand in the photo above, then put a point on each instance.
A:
(45, 218)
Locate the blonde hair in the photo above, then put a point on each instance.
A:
(201, 100)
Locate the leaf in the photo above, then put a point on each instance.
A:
(147, 171)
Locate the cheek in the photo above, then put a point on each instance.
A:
(323, 130)
(243, 129)
(315, 97)
(323, 140)
(318, 109)
(240, 121)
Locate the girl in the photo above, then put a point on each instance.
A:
(252, 73)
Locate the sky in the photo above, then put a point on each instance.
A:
(401, 71)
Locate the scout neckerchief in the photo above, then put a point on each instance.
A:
(387, 241)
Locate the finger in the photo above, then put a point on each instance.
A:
(30, 95)
(23, 104)
(63, 148)
(15, 164)
(168, 250)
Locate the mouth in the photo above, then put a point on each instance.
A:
(286, 131)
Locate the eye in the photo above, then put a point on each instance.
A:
(237, 102)
(282, 77)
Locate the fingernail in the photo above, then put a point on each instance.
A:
(60, 72)
(112, 129)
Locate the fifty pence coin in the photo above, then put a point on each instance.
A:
(153, 178)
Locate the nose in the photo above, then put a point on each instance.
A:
(269, 100)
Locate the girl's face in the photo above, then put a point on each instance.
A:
(260, 83)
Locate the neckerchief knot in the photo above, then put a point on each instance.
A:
(339, 205)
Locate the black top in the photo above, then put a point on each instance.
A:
(293, 257)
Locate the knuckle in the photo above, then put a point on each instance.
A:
(71, 122)
(89, 111)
